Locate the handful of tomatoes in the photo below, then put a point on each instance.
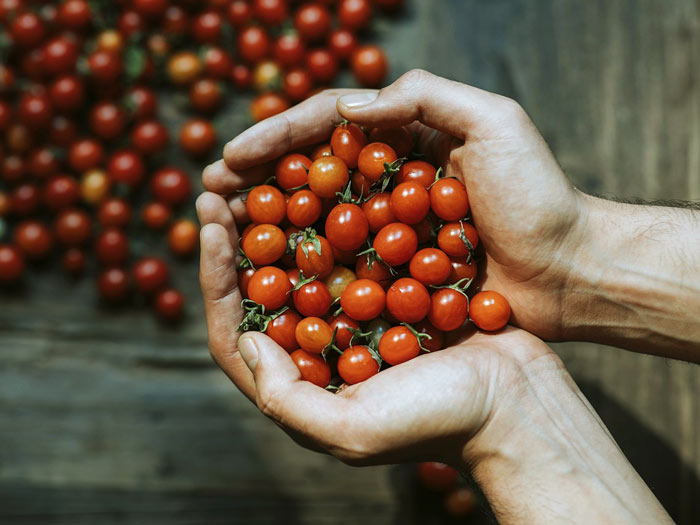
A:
(358, 258)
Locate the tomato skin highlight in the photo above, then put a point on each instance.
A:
(266, 205)
(410, 202)
(347, 227)
(312, 368)
(282, 330)
(398, 345)
(264, 244)
(396, 243)
(408, 300)
(312, 299)
(448, 309)
(448, 199)
(269, 287)
(357, 365)
(347, 141)
(313, 334)
(363, 300)
(430, 266)
(489, 310)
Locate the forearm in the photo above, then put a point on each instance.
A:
(547, 458)
(636, 282)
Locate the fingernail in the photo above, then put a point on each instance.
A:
(249, 351)
(357, 100)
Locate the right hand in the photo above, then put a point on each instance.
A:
(529, 216)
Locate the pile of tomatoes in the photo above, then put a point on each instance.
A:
(357, 258)
(83, 154)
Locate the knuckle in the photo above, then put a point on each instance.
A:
(413, 78)
(513, 111)
(268, 403)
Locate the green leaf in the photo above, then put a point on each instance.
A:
(134, 62)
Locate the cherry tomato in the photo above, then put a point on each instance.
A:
(25, 199)
(74, 261)
(126, 167)
(169, 304)
(107, 120)
(489, 310)
(437, 338)
(197, 137)
(5, 204)
(448, 309)
(354, 14)
(416, 171)
(347, 141)
(114, 285)
(327, 176)
(313, 334)
(297, 84)
(150, 8)
(424, 231)
(289, 50)
(312, 299)
(448, 199)
(338, 280)
(398, 345)
(372, 159)
(171, 186)
(318, 264)
(461, 270)
(269, 287)
(369, 65)
(156, 215)
(357, 364)
(114, 212)
(61, 54)
(430, 266)
(35, 110)
(291, 171)
(321, 65)
(34, 239)
(282, 329)
(450, 238)
(67, 93)
(27, 30)
(206, 95)
(363, 299)
(110, 40)
(11, 263)
(408, 300)
(13, 168)
(303, 208)
(105, 66)
(183, 237)
(73, 227)
(400, 139)
(360, 185)
(410, 202)
(217, 63)
(206, 27)
(342, 43)
(112, 247)
(341, 325)
(266, 75)
(149, 137)
(268, 105)
(379, 272)
(378, 211)
(312, 21)
(396, 243)
(322, 150)
(61, 192)
(94, 186)
(312, 368)
(270, 12)
(184, 68)
(241, 75)
(240, 13)
(347, 227)
(151, 274)
(243, 280)
(253, 44)
(19, 138)
(142, 102)
(43, 162)
(460, 502)
(437, 477)
(85, 155)
(264, 244)
(265, 204)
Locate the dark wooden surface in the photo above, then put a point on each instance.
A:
(109, 417)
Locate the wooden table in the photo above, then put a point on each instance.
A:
(108, 417)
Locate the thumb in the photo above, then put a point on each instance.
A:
(441, 104)
(271, 365)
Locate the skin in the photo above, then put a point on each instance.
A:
(501, 405)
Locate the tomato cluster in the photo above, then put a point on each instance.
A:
(357, 258)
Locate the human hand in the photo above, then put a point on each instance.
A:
(527, 213)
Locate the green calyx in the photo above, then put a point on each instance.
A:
(255, 318)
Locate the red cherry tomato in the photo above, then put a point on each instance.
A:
(327, 176)
(354, 14)
(489, 310)
(313, 334)
(322, 150)
(372, 159)
(61, 192)
(85, 155)
(341, 325)
(197, 137)
(67, 93)
(151, 274)
(240, 13)
(143, 102)
(264, 244)
(34, 239)
(112, 247)
(430, 266)
(369, 65)
(73, 227)
(268, 105)
(312, 368)
(357, 365)
(460, 502)
(27, 30)
(44, 162)
(289, 50)
(269, 287)
(342, 43)
(363, 299)
(450, 238)
(315, 264)
(74, 261)
(114, 212)
(322, 65)
(265, 204)
(206, 95)
(156, 215)
(106, 67)
(61, 54)
(400, 139)
(379, 272)
(25, 199)
(312, 21)
(448, 309)
(448, 199)
(169, 305)
(437, 477)
(217, 63)
(408, 300)
(297, 84)
(150, 8)
(183, 237)
(424, 231)
(35, 110)
(11, 263)
(270, 12)
(410, 202)
(312, 299)
(171, 186)
(126, 167)
(303, 208)
(206, 27)
(347, 141)
(347, 227)
(437, 338)
(378, 211)
(113, 285)
(416, 171)
(282, 329)
(398, 345)
(253, 44)
(396, 243)
(149, 137)
(461, 270)
(107, 120)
